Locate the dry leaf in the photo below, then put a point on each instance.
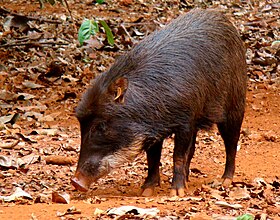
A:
(10, 162)
(98, 212)
(239, 194)
(71, 211)
(49, 132)
(228, 205)
(19, 193)
(31, 85)
(133, 210)
(8, 143)
(60, 197)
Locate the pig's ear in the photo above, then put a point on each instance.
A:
(117, 89)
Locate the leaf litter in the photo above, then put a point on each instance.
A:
(19, 193)
(43, 73)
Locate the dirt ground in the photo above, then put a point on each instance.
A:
(47, 125)
(258, 157)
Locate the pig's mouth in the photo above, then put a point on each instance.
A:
(91, 173)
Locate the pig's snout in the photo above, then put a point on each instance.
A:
(81, 182)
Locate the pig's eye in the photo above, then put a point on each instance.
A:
(101, 127)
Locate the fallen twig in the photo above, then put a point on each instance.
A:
(6, 11)
(59, 160)
(137, 24)
(33, 44)
(260, 22)
(67, 6)
(127, 33)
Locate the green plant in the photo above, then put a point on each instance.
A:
(91, 27)
(100, 1)
(52, 2)
(245, 217)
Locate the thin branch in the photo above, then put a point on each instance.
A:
(261, 22)
(67, 6)
(137, 24)
(6, 11)
(33, 44)
(127, 33)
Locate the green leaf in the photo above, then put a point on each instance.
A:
(86, 60)
(41, 2)
(88, 28)
(245, 217)
(100, 1)
(52, 2)
(109, 34)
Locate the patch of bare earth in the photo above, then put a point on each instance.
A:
(42, 82)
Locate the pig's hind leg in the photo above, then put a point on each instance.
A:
(190, 155)
(230, 132)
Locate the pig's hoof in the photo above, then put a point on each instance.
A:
(227, 182)
(148, 192)
(177, 192)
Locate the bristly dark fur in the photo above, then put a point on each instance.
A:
(182, 78)
(200, 53)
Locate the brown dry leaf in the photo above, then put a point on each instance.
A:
(25, 138)
(33, 107)
(32, 115)
(31, 159)
(46, 131)
(238, 193)
(98, 212)
(20, 22)
(42, 198)
(60, 197)
(139, 212)
(19, 193)
(273, 210)
(93, 43)
(7, 96)
(8, 143)
(25, 96)
(259, 182)
(10, 162)
(71, 211)
(46, 118)
(31, 85)
(228, 205)
(95, 200)
(216, 194)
